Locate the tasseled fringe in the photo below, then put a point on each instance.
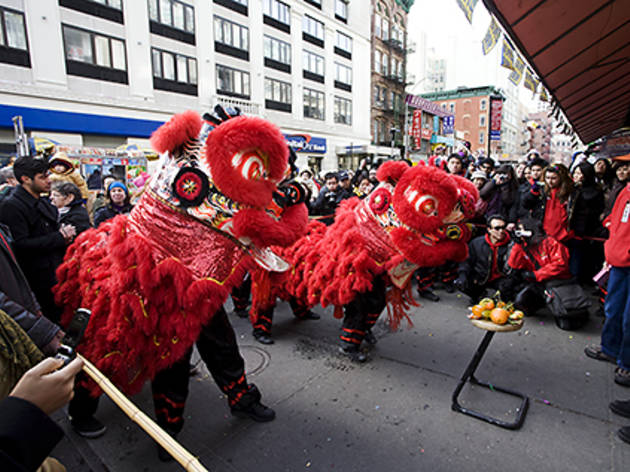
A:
(262, 297)
(338, 313)
(398, 302)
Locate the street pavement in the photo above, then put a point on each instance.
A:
(394, 412)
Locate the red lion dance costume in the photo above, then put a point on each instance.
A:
(414, 218)
(156, 279)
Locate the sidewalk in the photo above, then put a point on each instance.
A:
(394, 412)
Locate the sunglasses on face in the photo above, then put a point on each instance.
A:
(498, 228)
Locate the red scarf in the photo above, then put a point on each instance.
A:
(495, 273)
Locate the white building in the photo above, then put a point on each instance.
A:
(108, 72)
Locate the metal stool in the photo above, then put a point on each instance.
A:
(469, 376)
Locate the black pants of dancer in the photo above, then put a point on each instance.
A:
(241, 294)
(361, 314)
(218, 349)
(425, 277)
(265, 318)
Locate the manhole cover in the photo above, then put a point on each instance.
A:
(256, 359)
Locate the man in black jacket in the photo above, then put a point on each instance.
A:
(17, 301)
(486, 266)
(38, 240)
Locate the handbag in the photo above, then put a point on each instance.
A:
(601, 278)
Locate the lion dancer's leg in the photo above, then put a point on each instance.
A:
(170, 390)
(360, 315)
(262, 325)
(240, 296)
(219, 350)
(425, 277)
(301, 311)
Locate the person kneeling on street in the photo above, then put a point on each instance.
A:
(486, 266)
(538, 259)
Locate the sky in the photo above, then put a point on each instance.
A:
(454, 38)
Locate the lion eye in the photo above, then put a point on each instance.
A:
(427, 204)
(250, 165)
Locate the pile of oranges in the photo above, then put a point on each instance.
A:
(496, 311)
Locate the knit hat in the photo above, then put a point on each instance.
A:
(479, 174)
(117, 184)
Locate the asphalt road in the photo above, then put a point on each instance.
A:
(394, 412)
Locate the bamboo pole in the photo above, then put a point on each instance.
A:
(181, 455)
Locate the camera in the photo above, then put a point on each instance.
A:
(73, 336)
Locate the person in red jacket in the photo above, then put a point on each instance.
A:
(615, 344)
(536, 259)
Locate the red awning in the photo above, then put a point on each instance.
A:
(580, 49)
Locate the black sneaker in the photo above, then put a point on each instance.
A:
(88, 427)
(353, 353)
(429, 295)
(621, 408)
(262, 337)
(310, 315)
(624, 434)
(369, 337)
(255, 411)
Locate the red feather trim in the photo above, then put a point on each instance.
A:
(398, 303)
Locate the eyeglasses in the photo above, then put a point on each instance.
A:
(498, 228)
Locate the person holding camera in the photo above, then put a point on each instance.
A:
(486, 266)
(500, 193)
(328, 199)
(536, 259)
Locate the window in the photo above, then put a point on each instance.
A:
(117, 4)
(313, 27)
(232, 82)
(344, 42)
(313, 63)
(385, 30)
(341, 10)
(231, 34)
(343, 111)
(397, 33)
(317, 3)
(451, 108)
(377, 25)
(95, 49)
(277, 10)
(396, 68)
(314, 104)
(172, 13)
(385, 70)
(483, 104)
(277, 91)
(277, 50)
(481, 137)
(482, 120)
(176, 67)
(343, 74)
(13, 30)
(378, 60)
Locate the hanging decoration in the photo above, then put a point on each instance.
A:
(467, 6)
(492, 37)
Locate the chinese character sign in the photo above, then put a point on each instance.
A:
(496, 110)
(448, 125)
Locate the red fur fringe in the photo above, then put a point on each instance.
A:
(145, 314)
(176, 131)
(265, 231)
(392, 171)
(398, 303)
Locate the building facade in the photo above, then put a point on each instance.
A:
(109, 72)
(389, 76)
(476, 117)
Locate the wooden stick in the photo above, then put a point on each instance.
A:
(181, 455)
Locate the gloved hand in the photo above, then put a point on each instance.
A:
(289, 193)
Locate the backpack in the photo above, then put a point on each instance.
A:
(568, 303)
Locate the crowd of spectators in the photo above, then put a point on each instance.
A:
(538, 226)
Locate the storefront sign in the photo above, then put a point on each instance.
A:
(306, 143)
(416, 101)
(426, 133)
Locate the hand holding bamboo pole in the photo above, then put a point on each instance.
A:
(181, 455)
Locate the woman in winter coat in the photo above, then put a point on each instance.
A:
(587, 206)
(622, 174)
(549, 203)
(69, 202)
(118, 203)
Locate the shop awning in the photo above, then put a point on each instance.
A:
(581, 52)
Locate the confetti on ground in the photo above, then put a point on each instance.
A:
(308, 464)
(526, 332)
(571, 337)
(430, 334)
(546, 402)
(377, 407)
(541, 323)
(421, 451)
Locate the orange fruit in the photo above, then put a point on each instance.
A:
(487, 303)
(476, 311)
(499, 316)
